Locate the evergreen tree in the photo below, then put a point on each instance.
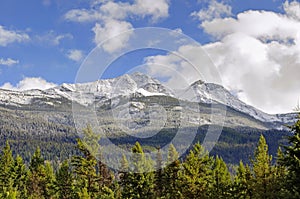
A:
(291, 161)
(124, 182)
(242, 187)
(170, 175)
(63, 185)
(141, 178)
(49, 180)
(263, 171)
(196, 176)
(279, 177)
(36, 184)
(6, 168)
(159, 183)
(85, 171)
(85, 166)
(221, 180)
(20, 177)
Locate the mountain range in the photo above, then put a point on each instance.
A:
(138, 86)
(134, 107)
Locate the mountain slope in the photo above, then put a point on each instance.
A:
(134, 108)
(108, 92)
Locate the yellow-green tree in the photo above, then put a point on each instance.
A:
(196, 176)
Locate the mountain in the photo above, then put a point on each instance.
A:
(132, 108)
(135, 88)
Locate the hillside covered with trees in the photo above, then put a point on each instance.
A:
(198, 175)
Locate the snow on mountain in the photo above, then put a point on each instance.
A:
(212, 93)
(19, 98)
(87, 93)
(141, 84)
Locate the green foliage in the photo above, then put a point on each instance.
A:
(291, 160)
(170, 176)
(221, 183)
(63, 184)
(197, 175)
(6, 168)
(242, 186)
(140, 178)
(263, 171)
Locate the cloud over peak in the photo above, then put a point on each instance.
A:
(29, 83)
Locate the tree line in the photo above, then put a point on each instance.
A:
(199, 175)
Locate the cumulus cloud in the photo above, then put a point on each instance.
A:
(75, 55)
(215, 10)
(109, 30)
(111, 18)
(8, 61)
(119, 10)
(29, 83)
(257, 54)
(10, 36)
(264, 25)
(292, 9)
(183, 67)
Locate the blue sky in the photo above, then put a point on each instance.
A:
(43, 42)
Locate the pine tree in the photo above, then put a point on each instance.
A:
(36, 184)
(279, 175)
(6, 167)
(291, 161)
(124, 182)
(85, 170)
(243, 181)
(221, 180)
(196, 176)
(170, 175)
(49, 180)
(140, 178)
(20, 177)
(263, 171)
(85, 166)
(63, 184)
(159, 183)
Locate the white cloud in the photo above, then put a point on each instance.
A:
(57, 39)
(156, 9)
(29, 83)
(53, 38)
(214, 10)
(119, 10)
(10, 36)
(8, 61)
(264, 25)
(110, 29)
(257, 54)
(292, 9)
(75, 55)
(83, 15)
(111, 16)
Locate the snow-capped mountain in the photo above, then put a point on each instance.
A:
(140, 86)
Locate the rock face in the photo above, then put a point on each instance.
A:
(137, 92)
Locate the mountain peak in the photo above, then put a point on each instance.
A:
(198, 82)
